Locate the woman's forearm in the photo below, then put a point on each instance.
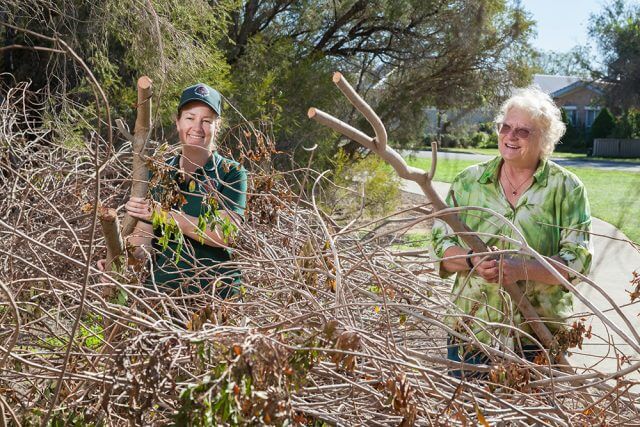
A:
(189, 226)
(451, 263)
(511, 269)
(533, 270)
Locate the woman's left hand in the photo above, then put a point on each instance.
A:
(140, 208)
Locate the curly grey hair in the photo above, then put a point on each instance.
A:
(544, 113)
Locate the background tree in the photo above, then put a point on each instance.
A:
(173, 44)
(573, 138)
(575, 62)
(267, 56)
(617, 31)
(402, 55)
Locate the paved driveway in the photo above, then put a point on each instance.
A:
(574, 163)
(613, 265)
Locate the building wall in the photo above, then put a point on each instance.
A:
(582, 99)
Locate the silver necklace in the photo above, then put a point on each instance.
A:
(513, 187)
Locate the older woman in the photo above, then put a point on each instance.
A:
(545, 202)
(206, 194)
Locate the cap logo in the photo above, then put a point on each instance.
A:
(202, 91)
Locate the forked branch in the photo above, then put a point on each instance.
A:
(140, 177)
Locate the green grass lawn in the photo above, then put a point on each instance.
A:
(494, 152)
(446, 170)
(614, 195)
(556, 154)
(413, 241)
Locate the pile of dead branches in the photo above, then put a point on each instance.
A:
(334, 323)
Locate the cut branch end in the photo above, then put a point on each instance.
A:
(144, 82)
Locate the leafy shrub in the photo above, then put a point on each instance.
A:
(574, 138)
(453, 140)
(484, 137)
(628, 125)
(370, 175)
(489, 138)
(485, 140)
(603, 124)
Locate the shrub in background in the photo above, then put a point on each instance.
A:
(628, 125)
(453, 140)
(603, 125)
(574, 138)
(484, 136)
(487, 137)
(368, 176)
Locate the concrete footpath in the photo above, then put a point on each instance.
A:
(613, 265)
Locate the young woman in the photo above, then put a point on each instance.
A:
(201, 193)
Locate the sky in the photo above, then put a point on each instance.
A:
(562, 24)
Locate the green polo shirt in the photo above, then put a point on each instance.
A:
(198, 265)
(554, 217)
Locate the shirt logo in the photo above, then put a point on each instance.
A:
(210, 186)
(202, 91)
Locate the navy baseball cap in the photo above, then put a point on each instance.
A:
(203, 93)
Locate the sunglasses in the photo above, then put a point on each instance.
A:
(506, 129)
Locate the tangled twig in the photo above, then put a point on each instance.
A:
(334, 323)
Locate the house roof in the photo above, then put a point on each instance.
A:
(577, 85)
(551, 84)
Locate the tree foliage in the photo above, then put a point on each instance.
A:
(273, 59)
(404, 55)
(575, 62)
(573, 137)
(628, 124)
(617, 31)
(173, 42)
(354, 179)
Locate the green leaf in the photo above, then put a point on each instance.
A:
(122, 297)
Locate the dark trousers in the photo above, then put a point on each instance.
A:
(475, 356)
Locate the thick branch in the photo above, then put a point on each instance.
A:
(140, 172)
(364, 108)
(357, 7)
(110, 228)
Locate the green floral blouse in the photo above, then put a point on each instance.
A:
(554, 217)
